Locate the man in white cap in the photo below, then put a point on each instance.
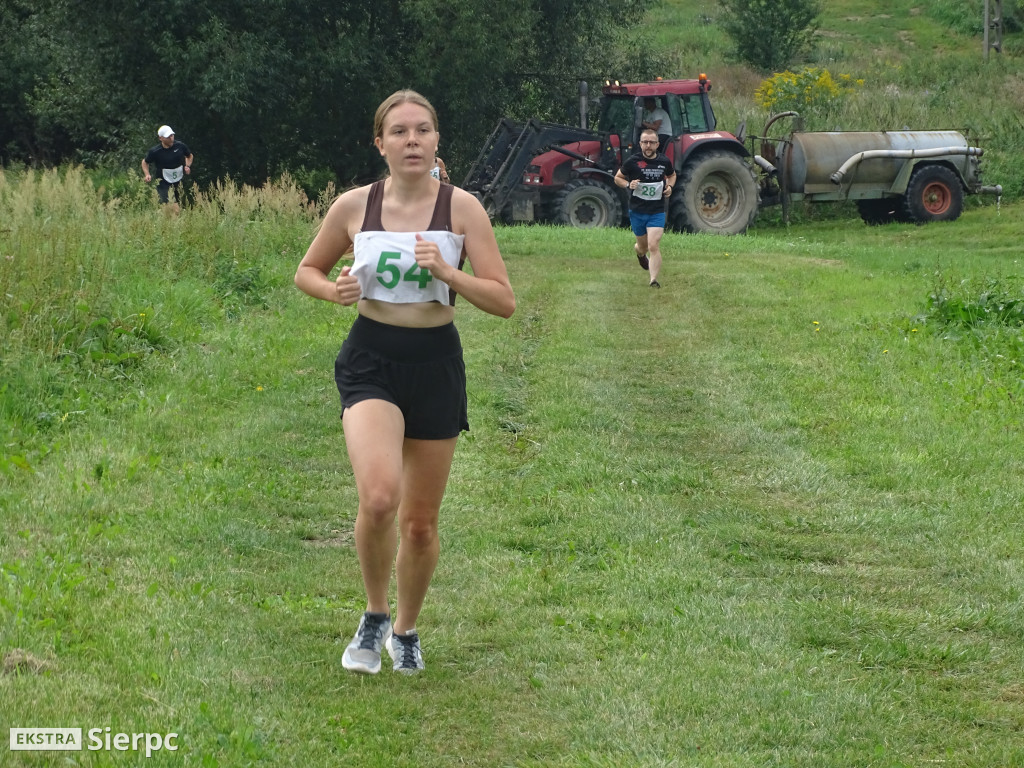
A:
(172, 160)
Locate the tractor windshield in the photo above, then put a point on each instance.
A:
(617, 117)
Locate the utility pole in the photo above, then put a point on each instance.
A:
(993, 26)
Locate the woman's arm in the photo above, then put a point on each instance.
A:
(332, 240)
(488, 287)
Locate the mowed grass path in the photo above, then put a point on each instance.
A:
(762, 516)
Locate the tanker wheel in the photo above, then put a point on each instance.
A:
(933, 194)
(586, 204)
(884, 210)
(718, 195)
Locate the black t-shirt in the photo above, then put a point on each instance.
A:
(171, 157)
(648, 172)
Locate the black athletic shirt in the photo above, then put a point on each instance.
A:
(647, 172)
(169, 157)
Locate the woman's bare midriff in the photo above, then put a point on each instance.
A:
(421, 315)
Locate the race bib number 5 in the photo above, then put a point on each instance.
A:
(173, 175)
(389, 275)
(649, 191)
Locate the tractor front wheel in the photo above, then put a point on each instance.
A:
(587, 204)
(716, 193)
(933, 194)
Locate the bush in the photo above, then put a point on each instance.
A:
(770, 35)
(812, 91)
(973, 304)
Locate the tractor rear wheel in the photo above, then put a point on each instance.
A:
(586, 204)
(716, 193)
(933, 194)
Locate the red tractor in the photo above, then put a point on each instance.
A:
(543, 172)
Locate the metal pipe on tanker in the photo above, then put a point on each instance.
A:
(837, 177)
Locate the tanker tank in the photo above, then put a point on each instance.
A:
(811, 159)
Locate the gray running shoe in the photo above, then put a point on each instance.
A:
(363, 653)
(405, 650)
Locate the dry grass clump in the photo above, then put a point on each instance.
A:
(18, 661)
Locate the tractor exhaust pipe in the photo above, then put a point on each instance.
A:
(583, 104)
(837, 177)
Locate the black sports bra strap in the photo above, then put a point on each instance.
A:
(442, 218)
(371, 220)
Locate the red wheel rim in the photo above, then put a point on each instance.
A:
(936, 198)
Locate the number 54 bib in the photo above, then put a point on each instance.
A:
(387, 270)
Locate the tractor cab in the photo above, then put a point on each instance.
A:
(685, 101)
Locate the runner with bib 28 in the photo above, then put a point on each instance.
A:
(650, 176)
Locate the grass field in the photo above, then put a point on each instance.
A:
(766, 516)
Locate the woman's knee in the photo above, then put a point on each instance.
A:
(379, 504)
(419, 531)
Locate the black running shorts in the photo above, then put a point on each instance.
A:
(420, 370)
(163, 187)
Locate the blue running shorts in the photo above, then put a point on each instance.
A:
(641, 222)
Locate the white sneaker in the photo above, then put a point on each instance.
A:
(406, 653)
(363, 653)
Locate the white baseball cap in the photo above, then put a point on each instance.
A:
(165, 132)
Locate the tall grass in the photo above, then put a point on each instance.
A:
(93, 285)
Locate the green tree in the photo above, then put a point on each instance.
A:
(771, 35)
(259, 87)
(513, 58)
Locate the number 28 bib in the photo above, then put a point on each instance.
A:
(387, 270)
(649, 190)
